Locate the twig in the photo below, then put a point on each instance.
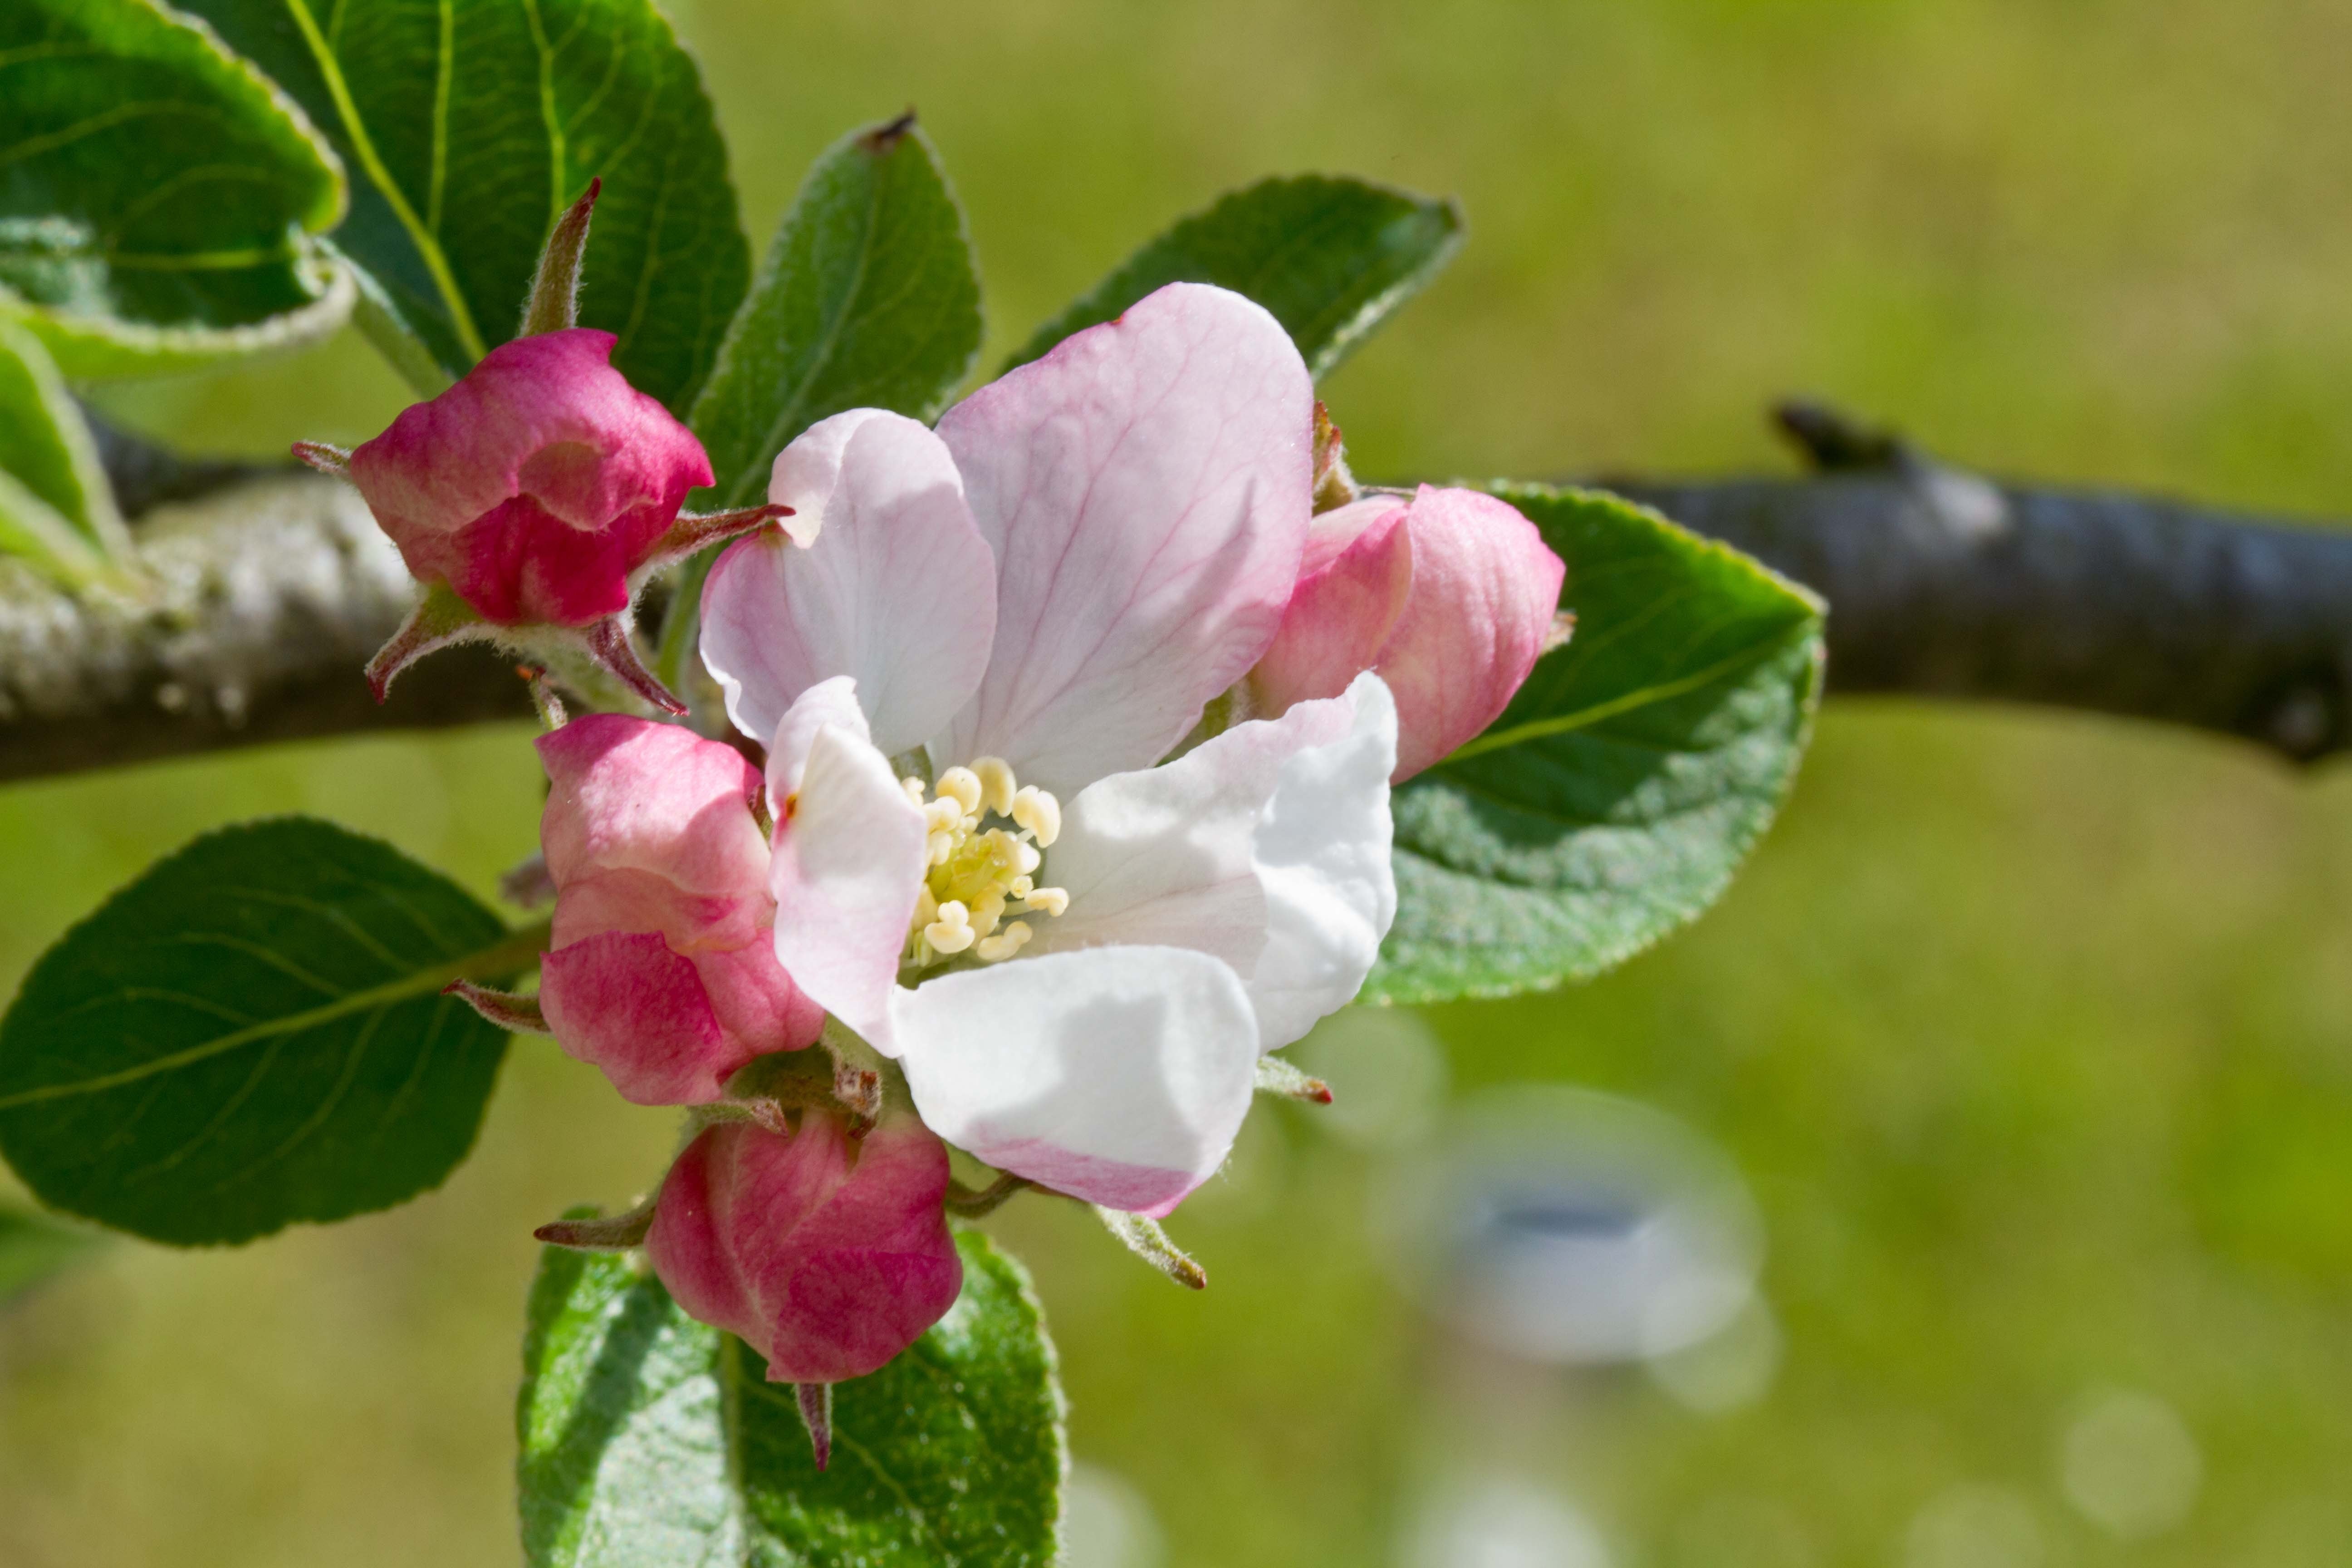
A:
(1941, 584)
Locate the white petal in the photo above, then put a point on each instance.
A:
(1323, 858)
(1145, 488)
(832, 701)
(849, 862)
(1166, 856)
(1118, 1075)
(896, 587)
(1267, 846)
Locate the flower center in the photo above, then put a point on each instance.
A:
(980, 874)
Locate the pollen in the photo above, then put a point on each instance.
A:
(986, 834)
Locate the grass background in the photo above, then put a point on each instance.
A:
(2028, 1031)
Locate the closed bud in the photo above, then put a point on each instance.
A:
(1449, 598)
(828, 1254)
(663, 970)
(535, 486)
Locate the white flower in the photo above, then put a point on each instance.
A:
(1075, 955)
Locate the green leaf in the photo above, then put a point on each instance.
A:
(33, 1247)
(868, 297)
(469, 127)
(57, 510)
(649, 1440)
(160, 196)
(1331, 257)
(252, 1034)
(1615, 798)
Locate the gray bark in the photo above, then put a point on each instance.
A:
(1941, 584)
(273, 588)
(268, 593)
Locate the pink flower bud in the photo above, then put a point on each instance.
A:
(663, 971)
(535, 486)
(1448, 598)
(828, 1255)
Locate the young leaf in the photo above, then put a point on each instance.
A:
(160, 196)
(1331, 257)
(56, 507)
(1615, 796)
(651, 1441)
(471, 125)
(253, 1034)
(868, 297)
(33, 1247)
(36, 533)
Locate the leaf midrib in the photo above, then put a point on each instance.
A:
(514, 949)
(428, 244)
(1640, 696)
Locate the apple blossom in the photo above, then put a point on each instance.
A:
(663, 971)
(827, 1254)
(1449, 597)
(970, 658)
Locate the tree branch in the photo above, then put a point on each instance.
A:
(1944, 584)
(268, 593)
(274, 587)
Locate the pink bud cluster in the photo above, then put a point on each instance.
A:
(824, 1245)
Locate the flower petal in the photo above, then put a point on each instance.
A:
(833, 702)
(663, 816)
(1118, 1075)
(849, 862)
(1484, 586)
(894, 586)
(623, 1001)
(1145, 488)
(1324, 856)
(1267, 846)
(1352, 587)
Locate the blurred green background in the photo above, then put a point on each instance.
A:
(2028, 1032)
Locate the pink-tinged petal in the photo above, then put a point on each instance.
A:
(625, 1003)
(1267, 846)
(1485, 588)
(828, 702)
(895, 587)
(849, 861)
(1145, 488)
(626, 795)
(827, 1255)
(536, 483)
(665, 973)
(1118, 1075)
(1351, 589)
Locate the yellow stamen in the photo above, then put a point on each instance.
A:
(977, 874)
(1038, 811)
(1004, 944)
(996, 784)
